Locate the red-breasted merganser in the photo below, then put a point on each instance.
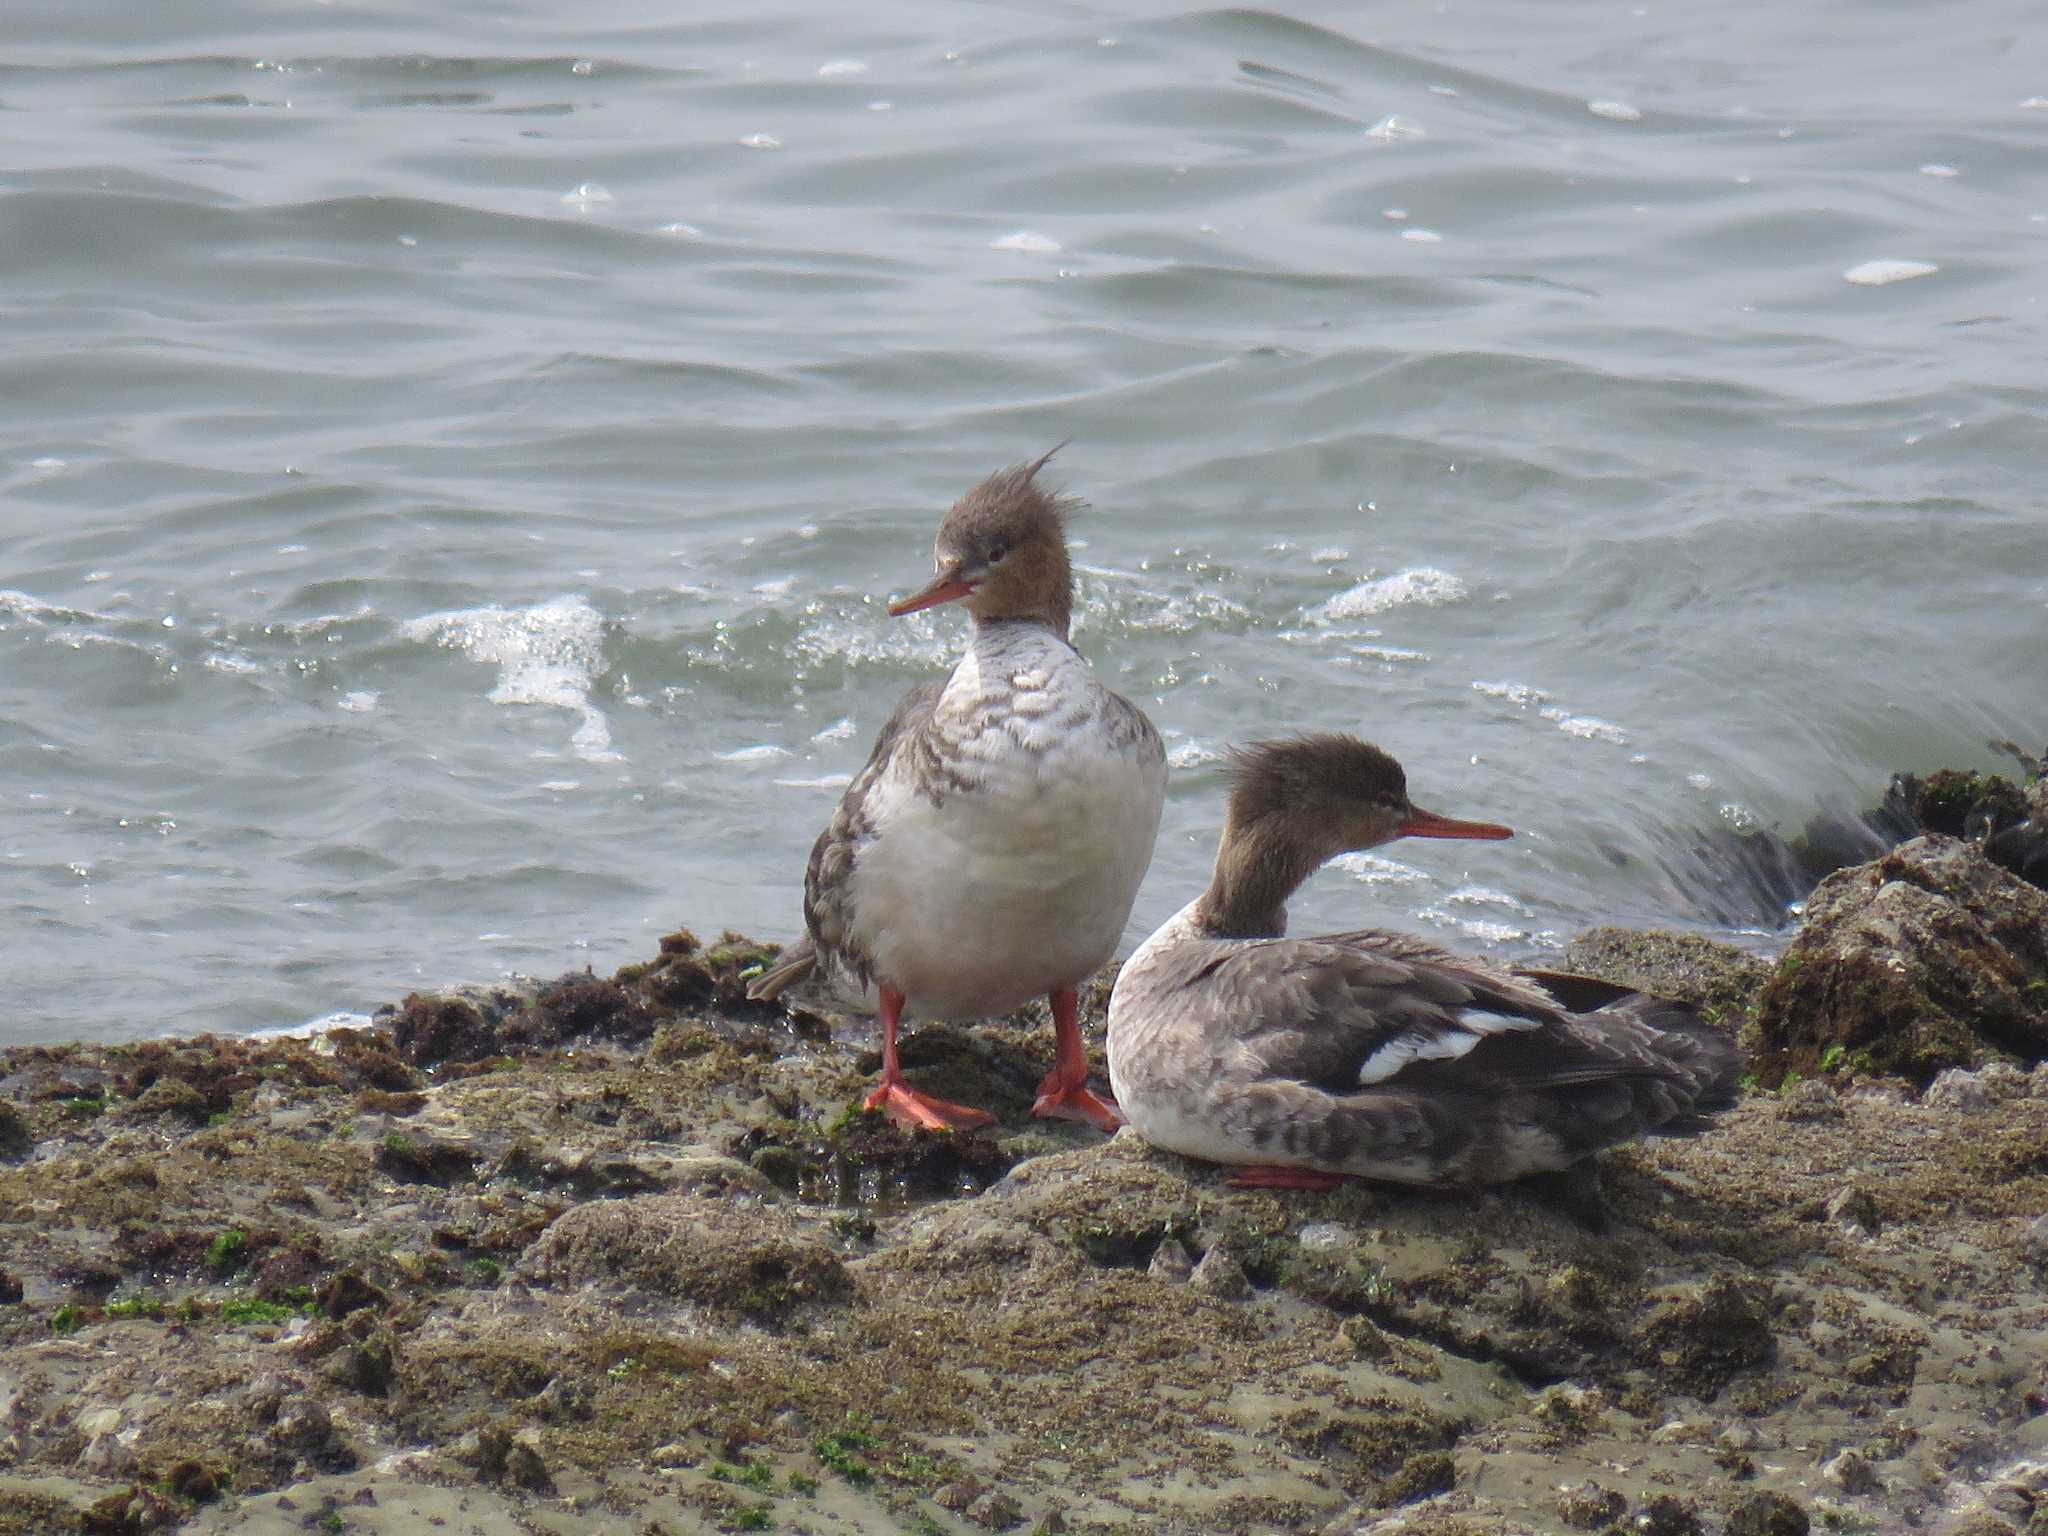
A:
(1375, 1055)
(991, 848)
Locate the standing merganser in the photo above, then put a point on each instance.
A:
(1375, 1055)
(991, 848)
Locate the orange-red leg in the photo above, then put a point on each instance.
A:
(903, 1103)
(1289, 1178)
(1065, 1094)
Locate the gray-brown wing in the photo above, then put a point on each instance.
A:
(1128, 725)
(1350, 1011)
(827, 916)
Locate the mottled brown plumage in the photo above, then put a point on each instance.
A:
(991, 846)
(1375, 1054)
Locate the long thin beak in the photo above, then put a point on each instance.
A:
(946, 587)
(1421, 823)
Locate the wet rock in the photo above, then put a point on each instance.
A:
(1966, 1092)
(995, 1511)
(502, 1455)
(1722, 979)
(16, 1140)
(2033, 1241)
(194, 1480)
(1928, 958)
(1958, 1092)
(2009, 820)
(1171, 1262)
(415, 1157)
(460, 1025)
(1810, 1100)
(1419, 1477)
(735, 1259)
(303, 1428)
(366, 1366)
(1767, 1514)
(1589, 1507)
(1853, 1207)
(1702, 1340)
(1220, 1275)
(1850, 1471)
(346, 1292)
(171, 1097)
(130, 1512)
(1666, 1515)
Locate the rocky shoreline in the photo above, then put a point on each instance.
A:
(614, 1255)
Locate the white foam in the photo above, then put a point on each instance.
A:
(313, 1029)
(839, 730)
(360, 702)
(1615, 111)
(1183, 755)
(1422, 587)
(1371, 869)
(1422, 236)
(822, 781)
(1388, 653)
(1875, 274)
(1485, 896)
(587, 194)
(760, 141)
(1392, 127)
(1943, 171)
(550, 654)
(1482, 929)
(766, 752)
(1586, 727)
(1028, 240)
(1521, 695)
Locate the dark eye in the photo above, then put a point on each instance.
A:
(998, 553)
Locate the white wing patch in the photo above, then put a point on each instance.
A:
(1474, 1025)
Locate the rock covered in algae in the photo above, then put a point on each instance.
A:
(1929, 958)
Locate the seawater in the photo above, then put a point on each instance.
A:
(453, 464)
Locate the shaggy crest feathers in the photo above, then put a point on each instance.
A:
(1271, 778)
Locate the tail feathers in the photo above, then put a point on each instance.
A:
(795, 964)
(1672, 1070)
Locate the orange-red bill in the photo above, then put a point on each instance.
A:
(946, 587)
(1429, 824)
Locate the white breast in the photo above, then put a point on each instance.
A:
(1013, 873)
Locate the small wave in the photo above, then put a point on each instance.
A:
(1521, 695)
(1189, 754)
(1371, 869)
(1422, 587)
(550, 654)
(822, 781)
(1586, 727)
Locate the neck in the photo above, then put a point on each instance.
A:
(1037, 587)
(1260, 865)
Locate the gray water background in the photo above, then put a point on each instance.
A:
(452, 458)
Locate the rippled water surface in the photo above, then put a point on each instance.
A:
(453, 458)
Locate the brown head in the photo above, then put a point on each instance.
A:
(1003, 551)
(1297, 803)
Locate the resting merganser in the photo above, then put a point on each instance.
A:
(991, 848)
(1376, 1055)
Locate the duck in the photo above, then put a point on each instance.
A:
(1376, 1055)
(991, 848)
